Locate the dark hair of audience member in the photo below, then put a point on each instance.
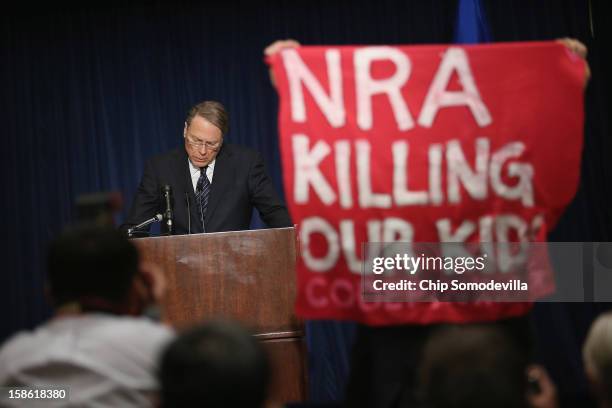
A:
(218, 364)
(472, 367)
(88, 262)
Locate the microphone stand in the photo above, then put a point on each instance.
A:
(168, 216)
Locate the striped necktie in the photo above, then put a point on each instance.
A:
(202, 194)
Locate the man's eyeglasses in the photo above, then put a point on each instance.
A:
(198, 144)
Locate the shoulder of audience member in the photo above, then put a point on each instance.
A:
(19, 345)
(134, 328)
(114, 331)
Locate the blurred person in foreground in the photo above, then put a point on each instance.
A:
(218, 365)
(597, 355)
(97, 344)
(478, 365)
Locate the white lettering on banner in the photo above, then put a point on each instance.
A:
(488, 169)
(319, 225)
(315, 285)
(397, 230)
(524, 172)
(343, 172)
(536, 225)
(400, 178)
(306, 170)
(366, 86)
(344, 293)
(455, 60)
(435, 174)
(485, 233)
(461, 233)
(507, 256)
(391, 230)
(508, 253)
(367, 198)
(507, 228)
(298, 73)
(332, 105)
(458, 169)
(349, 248)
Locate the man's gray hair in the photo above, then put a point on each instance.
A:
(212, 111)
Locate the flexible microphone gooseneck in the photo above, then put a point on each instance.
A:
(146, 223)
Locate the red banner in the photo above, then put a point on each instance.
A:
(422, 144)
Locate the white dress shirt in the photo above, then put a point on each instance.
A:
(195, 173)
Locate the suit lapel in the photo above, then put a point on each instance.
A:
(222, 181)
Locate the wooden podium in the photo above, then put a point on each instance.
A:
(248, 276)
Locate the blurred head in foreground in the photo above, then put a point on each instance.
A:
(88, 263)
(472, 367)
(597, 355)
(218, 364)
(93, 268)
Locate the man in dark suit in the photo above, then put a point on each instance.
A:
(214, 185)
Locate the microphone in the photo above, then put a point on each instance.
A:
(167, 193)
(188, 213)
(146, 223)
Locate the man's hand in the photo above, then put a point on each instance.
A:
(154, 280)
(148, 288)
(276, 47)
(546, 394)
(579, 49)
(279, 45)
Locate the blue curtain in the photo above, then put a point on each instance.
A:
(89, 91)
(472, 26)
